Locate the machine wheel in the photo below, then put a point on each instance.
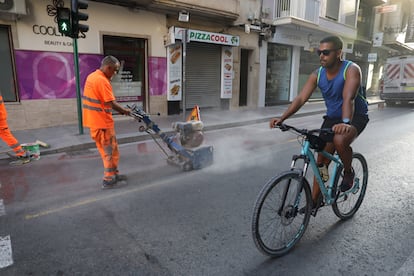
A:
(187, 166)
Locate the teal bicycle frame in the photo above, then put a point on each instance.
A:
(308, 155)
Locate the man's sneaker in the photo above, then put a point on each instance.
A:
(347, 181)
(109, 183)
(315, 206)
(20, 160)
(121, 177)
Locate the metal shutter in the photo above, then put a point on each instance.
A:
(203, 75)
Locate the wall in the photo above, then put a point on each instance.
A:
(44, 60)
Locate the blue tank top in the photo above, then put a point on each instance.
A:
(332, 93)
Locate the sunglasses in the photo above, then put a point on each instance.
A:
(325, 52)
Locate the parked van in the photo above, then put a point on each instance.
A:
(397, 83)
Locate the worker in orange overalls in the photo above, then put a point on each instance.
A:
(8, 137)
(98, 103)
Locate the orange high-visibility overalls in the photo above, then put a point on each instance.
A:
(97, 115)
(5, 133)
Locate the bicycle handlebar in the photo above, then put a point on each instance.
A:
(306, 132)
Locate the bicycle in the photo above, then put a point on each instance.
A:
(284, 205)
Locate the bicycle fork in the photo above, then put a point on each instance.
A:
(299, 188)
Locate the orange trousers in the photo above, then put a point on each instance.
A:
(107, 145)
(11, 141)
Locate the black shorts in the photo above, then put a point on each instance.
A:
(358, 121)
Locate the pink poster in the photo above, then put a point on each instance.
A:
(157, 76)
(50, 75)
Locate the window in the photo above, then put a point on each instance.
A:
(343, 11)
(7, 76)
(130, 82)
(279, 63)
(332, 9)
(348, 13)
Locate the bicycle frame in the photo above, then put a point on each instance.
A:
(308, 156)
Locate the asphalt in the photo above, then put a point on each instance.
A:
(67, 138)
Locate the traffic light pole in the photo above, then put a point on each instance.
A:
(78, 94)
(68, 25)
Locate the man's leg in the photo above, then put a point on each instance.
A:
(12, 142)
(342, 144)
(321, 160)
(115, 156)
(104, 142)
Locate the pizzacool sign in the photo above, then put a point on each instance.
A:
(213, 38)
(208, 37)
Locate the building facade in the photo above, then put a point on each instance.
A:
(40, 89)
(229, 54)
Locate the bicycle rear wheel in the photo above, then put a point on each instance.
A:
(281, 214)
(349, 202)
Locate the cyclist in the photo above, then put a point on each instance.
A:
(347, 109)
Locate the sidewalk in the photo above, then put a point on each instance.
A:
(67, 138)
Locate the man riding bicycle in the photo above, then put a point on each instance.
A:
(347, 109)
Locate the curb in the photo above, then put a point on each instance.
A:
(125, 139)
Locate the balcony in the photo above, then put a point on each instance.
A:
(281, 12)
(218, 10)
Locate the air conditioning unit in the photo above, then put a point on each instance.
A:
(13, 6)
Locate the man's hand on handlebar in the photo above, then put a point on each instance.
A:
(126, 112)
(341, 128)
(275, 122)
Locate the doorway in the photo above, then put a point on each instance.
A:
(244, 73)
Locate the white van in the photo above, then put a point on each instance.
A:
(397, 83)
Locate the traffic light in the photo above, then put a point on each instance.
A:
(63, 19)
(79, 16)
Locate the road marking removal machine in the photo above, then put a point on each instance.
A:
(188, 153)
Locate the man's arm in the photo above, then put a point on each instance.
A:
(299, 100)
(352, 84)
(116, 106)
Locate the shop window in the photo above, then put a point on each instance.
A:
(7, 76)
(130, 82)
(309, 62)
(279, 62)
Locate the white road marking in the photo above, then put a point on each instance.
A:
(5, 252)
(5, 243)
(2, 208)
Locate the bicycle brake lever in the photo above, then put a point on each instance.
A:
(283, 127)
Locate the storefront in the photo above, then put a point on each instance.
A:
(290, 59)
(38, 67)
(208, 69)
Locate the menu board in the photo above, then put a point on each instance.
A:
(174, 72)
(227, 72)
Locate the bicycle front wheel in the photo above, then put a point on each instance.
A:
(281, 214)
(349, 202)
